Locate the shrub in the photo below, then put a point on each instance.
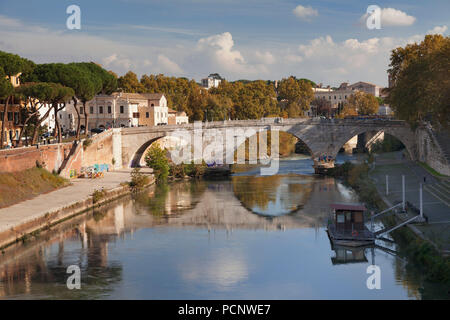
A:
(98, 195)
(87, 143)
(157, 160)
(195, 170)
(138, 180)
(177, 171)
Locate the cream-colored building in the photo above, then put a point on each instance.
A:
(367, 87)
(119, 109)
(336, 97)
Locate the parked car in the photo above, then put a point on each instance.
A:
(97, 130)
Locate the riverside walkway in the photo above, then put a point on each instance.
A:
(436, 193)
(80, 190)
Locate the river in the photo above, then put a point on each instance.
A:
(246, 237)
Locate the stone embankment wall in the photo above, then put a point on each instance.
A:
(430, 152)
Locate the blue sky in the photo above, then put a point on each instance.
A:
(326, 41)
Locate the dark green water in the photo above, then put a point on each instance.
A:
(249, 237)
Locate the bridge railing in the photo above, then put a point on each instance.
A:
(268, 121)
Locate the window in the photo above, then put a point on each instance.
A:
(91, 109)
(100, 109)
(147, 115)
(329, 97)
(135, 114)
(81, 110)
(10, 116)
(334, 97)
(121, 109)
(60, 116)
(109, 109)
(153, 104)
(340, 218)
(16, 118)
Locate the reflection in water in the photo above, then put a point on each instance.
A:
(247, 237)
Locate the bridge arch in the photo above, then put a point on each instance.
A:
(319, 137)
(404, 135)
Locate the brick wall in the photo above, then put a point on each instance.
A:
(50, 156)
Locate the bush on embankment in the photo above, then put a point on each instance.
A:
(356, 176)
(23, 185)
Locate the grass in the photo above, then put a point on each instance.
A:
(430, 169)
(16, 187)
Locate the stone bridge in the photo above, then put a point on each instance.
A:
(321, 136)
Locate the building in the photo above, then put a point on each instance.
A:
(212, 81)
(367, 87)
(14, 122)
(119, 109)
(176, 117)
(336, 97)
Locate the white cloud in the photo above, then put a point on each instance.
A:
(217, 52)
(221, 47)
(264, 57)
(393, 17)
(438, 30)
(305, 13)
(325, 60)
(167, 64)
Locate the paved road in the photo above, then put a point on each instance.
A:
(436, 192)
(79, 190)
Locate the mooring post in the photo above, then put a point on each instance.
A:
(403, 192)
(421, 202)
(387, 185)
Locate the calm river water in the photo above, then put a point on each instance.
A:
(247, 237)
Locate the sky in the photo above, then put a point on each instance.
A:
(325, 41)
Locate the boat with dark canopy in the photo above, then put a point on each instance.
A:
(347, 226)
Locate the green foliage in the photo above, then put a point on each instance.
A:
(389, 144)
(87, 143)
(177, 170)
(138, 180)
(157, 160)
(297, 93)
(98, 195)
(195, 170)
(421, 81)
(364, 103)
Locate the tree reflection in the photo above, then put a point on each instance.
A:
(283, 193)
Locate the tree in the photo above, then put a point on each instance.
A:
(10, 65)
(298, 94)
(40, 94)
(157, 160)
(364, 103)
(102, 81)
(421, 81)
(130, 83)
(322, 107)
